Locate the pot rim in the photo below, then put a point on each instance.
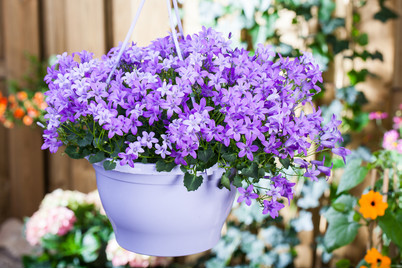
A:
(150, 169)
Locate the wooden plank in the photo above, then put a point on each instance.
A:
(397, 82)
(85, 26)
(85, 30)
(2, 68)
(21, 35)
(152, 23)
(59, 166)
(54, 24)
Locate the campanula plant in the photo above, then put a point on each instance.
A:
(216, 106)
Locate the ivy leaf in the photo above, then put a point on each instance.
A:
(357, 76)
(229, 157)
(225, 181)
(285, 162)
(109, 165)
(192, 182)
(87, 140)
(391, 225)
(251, 171)
(237, 181)
(161, 166)
(385, 14)
(205, 155)
(98, 157)
(353, 175)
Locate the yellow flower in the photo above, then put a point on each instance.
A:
(376, 260)
(371, 205)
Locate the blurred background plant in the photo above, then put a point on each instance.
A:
(70, 229)
(25, 102)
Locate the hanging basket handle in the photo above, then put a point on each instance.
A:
(130, 32)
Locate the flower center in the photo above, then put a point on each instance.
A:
(372, 203)
(378, 260)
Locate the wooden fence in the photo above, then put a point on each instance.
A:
(44, 28)
(47, 27)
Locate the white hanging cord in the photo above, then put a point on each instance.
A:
(176, 9)
(123, 46)
(176, 42)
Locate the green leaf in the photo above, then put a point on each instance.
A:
(237, 181)
(192, 182)
(326, 9)
(356, 217)
(334, 23)
(343, 263)
(340, 231)
(285, 162)
(348, 202)
(98, 157)
(205, 155)
(353, 175)
(225, 181)
(251, 171)
(385, 14)
(72, 152)
(391, 225)
(357, 76)
(109, 165)
(87, 140)
(362, 39)
(339, 207)
(90, 246)
(229, 157)
(161, 166)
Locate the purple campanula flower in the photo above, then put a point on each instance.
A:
(343, 152)
(312, 173)
(247, 149)
(272, 208)
(147, 139)
(246, 195)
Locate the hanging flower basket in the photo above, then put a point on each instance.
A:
(153, 118)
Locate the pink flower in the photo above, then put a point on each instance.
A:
(378, 115)
(121, 257)
(397, 122)
(56, 220)
(390, 140)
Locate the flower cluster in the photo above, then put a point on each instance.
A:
(22, 107)
(52, 220)
(121, 257)
(217, 106)
(392, 139)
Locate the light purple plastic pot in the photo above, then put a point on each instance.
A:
(152, 213)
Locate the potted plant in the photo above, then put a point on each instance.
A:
(215, 119)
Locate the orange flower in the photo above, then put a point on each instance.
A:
(38, 98)
(11, 98)
(371, 205)
(19, 113)
(22, 96)
(27, 120)
(376, 260)
(8, 124)
(32, 112)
